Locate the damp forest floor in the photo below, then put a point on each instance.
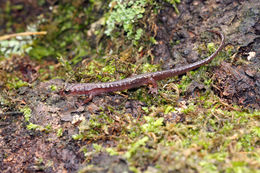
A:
(207, 120)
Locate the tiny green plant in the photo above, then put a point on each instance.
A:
(59, 132)
(126, 14)
(174, 4)
(27, 113)
(133, 148)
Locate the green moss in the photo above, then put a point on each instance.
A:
(191, 108)
(208, 167)
(59, 132)
(211, 47)
(32, 126)
(184, 83)
(146, 68)
(53, 87)
(247, 142)
(45, 129)
(146, 109)
(65, 63)
(39, 52)
(93, 128)
(168, 108)
(78, 136)
(135, 146)
(238, 166)
(27, 113)
(16, 83)
(97, 147)
(110, 69)
(152, 125)
(126, 14)
(204, 142)
(93, 68)
(256, 131)
(174, 3)
(66, 30)
(112, 152)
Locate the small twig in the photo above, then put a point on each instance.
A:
(5, 37)
(11, 113)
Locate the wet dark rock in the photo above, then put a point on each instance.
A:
(237, 87)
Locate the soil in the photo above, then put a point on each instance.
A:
(22, 150)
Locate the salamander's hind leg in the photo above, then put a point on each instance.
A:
(153, 88)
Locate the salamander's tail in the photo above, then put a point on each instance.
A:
(222, 36)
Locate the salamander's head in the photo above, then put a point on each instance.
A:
(65, 91)
(79, 89)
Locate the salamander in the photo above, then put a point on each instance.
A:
(92, 89)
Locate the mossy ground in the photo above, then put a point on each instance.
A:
(186, 127)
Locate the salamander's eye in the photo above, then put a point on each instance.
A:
(66, 92)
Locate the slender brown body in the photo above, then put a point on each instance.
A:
(92, 89)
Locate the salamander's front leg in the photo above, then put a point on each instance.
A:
(153, 88)
(90, 97)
